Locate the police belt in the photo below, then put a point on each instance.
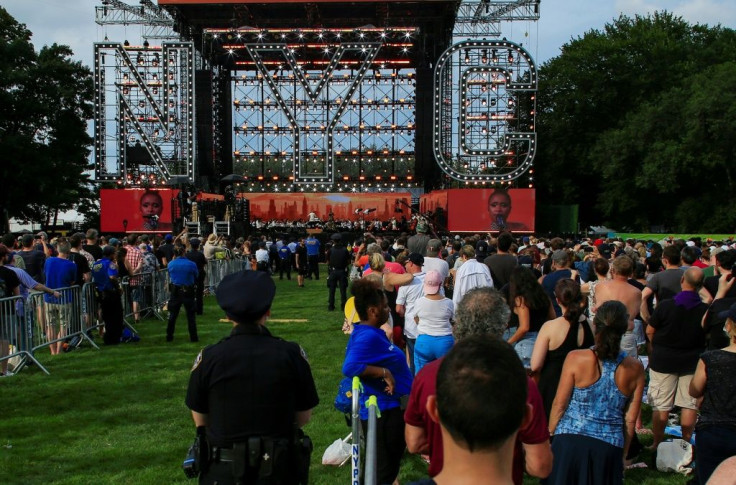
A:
(181, 287)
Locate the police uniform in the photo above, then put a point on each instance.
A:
(183, 276)
(198, 258)
(312, 244)
(251, 385)
(285, 262)
(103, 272)
(339, 259)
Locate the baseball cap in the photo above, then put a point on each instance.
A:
(730, 313)
(194, 242)
(114, 241)
(169, 237)
(433, 247)
(432, 282)
(416, 258)
(245, 296)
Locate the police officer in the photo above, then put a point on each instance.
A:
(338, 259)
(253, 393)
(312, 244)
(105, 277)
(198, 258)
(183, 276)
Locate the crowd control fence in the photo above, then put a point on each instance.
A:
(370, 443)
(53, 320)
(42, 320)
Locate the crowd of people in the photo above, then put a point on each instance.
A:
(442, 323)
(577, 314)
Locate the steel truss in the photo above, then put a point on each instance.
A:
(322, 108)
(483, 18)
(485, 111)
(156, 22)
(144, 113)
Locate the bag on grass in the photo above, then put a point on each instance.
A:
(675, 456)
(338, 453)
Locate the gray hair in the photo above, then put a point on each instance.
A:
(373, 248)
(481, 311)
(63, 247)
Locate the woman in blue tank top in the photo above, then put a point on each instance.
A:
(595, 409)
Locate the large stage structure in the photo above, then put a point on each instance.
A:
(321, 96)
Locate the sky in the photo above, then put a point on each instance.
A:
(72, 22)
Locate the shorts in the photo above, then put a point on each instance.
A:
(136, 294)
(628, 344)
(669, 390)
(58, 315)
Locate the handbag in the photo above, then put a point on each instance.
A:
(675, 456)
(354, 273)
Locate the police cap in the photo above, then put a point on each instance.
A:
(245, 296)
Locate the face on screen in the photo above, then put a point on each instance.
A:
(499, 205)
(151, 205)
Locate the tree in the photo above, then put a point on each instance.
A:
(45, 100)
(616, 127)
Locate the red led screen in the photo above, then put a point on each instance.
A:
(136, 210)
(293, 207)
(484, 210)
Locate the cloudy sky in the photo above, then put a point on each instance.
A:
(72, 22)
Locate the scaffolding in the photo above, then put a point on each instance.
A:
(144, 113)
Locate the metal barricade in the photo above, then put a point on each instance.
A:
(91, 317)
(371, 455)
(355, 448)
(139, 298)
(15, 335)
(161, 293)
(56, 319)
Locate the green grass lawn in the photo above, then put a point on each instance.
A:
(117, 415)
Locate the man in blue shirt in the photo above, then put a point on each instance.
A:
(105, 277)
(60, 272)
(183, 275)
(284, 262)
(312, 244)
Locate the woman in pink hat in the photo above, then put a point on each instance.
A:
(433, 315)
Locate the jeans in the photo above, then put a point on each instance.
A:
(628, 344)
(410, 350)
(525, 347)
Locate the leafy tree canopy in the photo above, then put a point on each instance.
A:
(45, 101)
(636, 124)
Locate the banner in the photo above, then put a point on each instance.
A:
(136, 210)
(294, 207)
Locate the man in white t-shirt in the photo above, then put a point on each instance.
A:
(405, 300)
(433, 262)
(472, 274)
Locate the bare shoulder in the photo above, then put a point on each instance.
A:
(582, 356)
(632, 364)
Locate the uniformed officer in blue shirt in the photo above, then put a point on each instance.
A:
(105, 276)
(312, 244)
(183, 276)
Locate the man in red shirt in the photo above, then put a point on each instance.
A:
(483, 311)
